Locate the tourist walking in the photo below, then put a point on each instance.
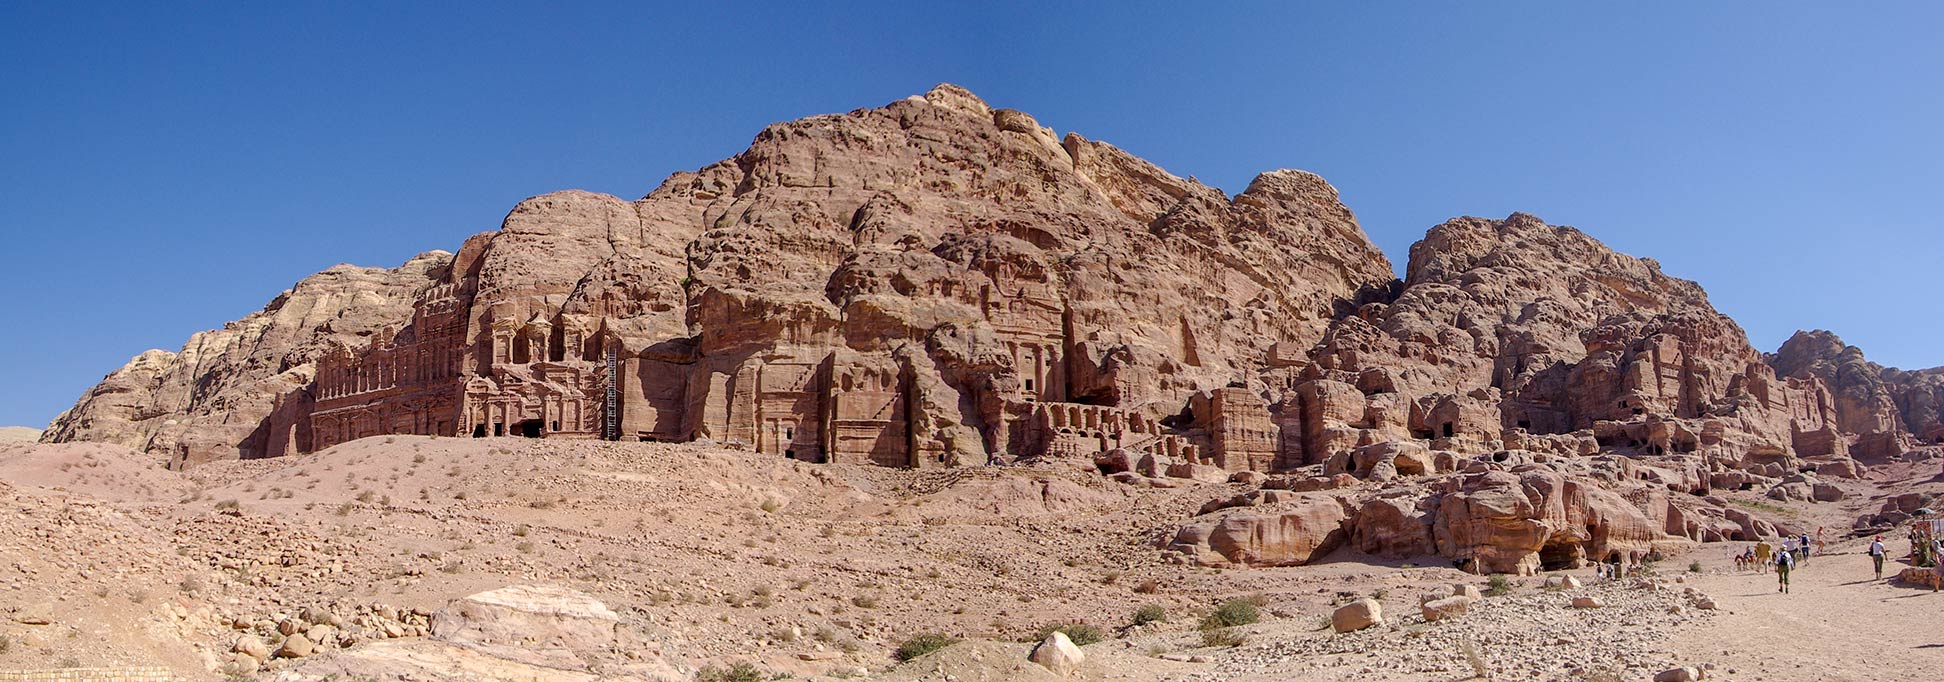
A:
(1763, 552)
(1876, 555)
(1804, 546)
(1783, 564)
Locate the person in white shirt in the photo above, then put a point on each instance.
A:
(1877, 552)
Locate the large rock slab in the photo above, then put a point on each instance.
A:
(534, 623)
(1288, 534)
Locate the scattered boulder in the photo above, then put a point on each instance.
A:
(1357, 615)
(296, 646)
(1588, 602)
(252, 646)
(315, 616)
(1441, 609)
(1562, 582)
(1058, 654)
(1827, 492)
(1681, 674)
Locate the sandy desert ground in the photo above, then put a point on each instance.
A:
(709, 558)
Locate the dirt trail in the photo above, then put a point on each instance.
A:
(1836, 623)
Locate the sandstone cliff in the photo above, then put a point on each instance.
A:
(243, 390)
(936, 282)
(1888, 409)
(907, 284)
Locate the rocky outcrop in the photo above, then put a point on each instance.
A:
(1886, 411)
(1516, 334)
(244, 390)
(1532, 518)
(932, 282)
(936, 282)
(1289, 534)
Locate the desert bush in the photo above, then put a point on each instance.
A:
(229, 504)
(740, 672)
(864, 601)
(1694, 567)
(1147, 587)
(1232, 613)
(1149, 613)
(1497, 585)
(1082, 634)
(924, 644)
(1224, 637)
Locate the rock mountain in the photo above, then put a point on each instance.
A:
(936, 282)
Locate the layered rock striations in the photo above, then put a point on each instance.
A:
(937, 282)
(1888, 410)
(931, 282)
(246, 390)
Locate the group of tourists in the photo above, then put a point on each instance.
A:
(1761, 557)
(1926, 550)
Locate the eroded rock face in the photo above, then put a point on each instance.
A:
(1887, 411)
(1289, 534)
(245, 390)
(1516, 334)
(1532, 517)
(936, 282)
(932, 282)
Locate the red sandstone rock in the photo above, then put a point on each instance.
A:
(928, 283)
(938, 283)
(1299, 532)
(1888, 411)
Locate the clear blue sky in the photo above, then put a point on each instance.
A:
(166, 170)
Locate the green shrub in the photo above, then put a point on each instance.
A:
(1497, 585)
(1082, 634)
(740, 672)
(1694, 567)
(1232, 613)
(924, 644)
(1148, 613)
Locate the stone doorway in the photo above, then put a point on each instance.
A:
(530, 428)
